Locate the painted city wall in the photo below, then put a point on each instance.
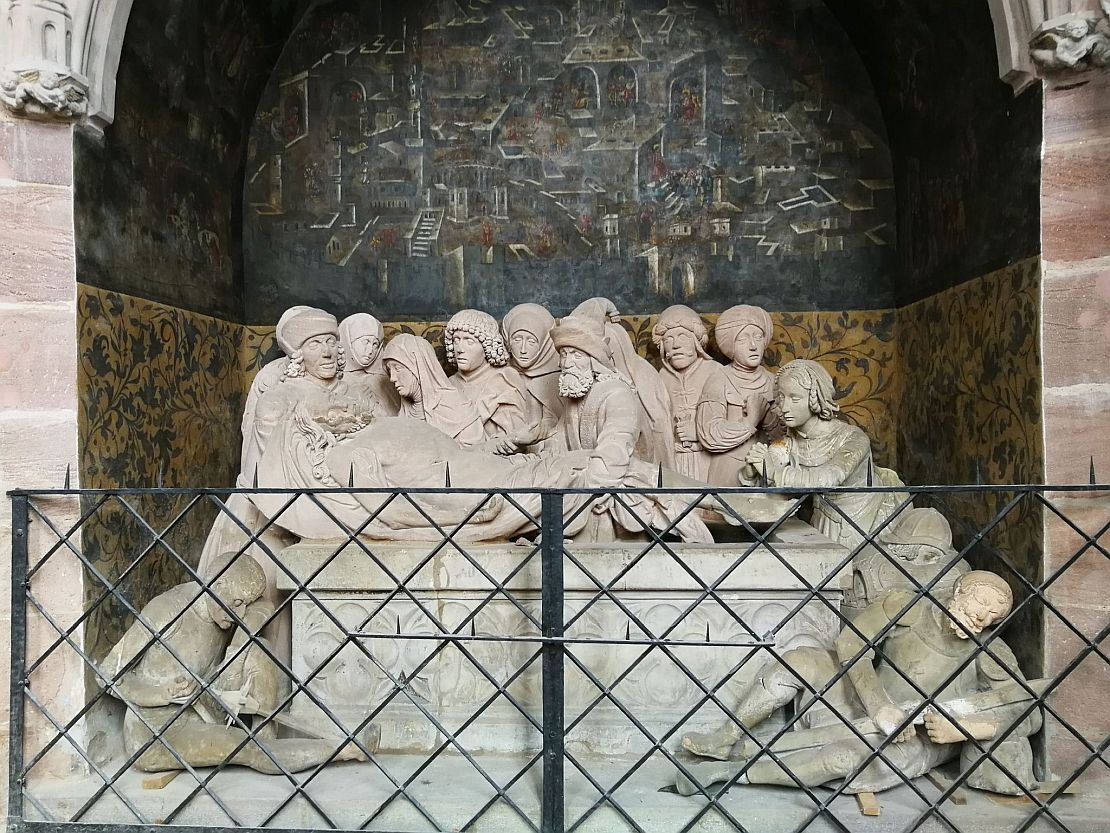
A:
(483, 156)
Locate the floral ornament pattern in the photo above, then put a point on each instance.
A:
(160, 400)
(972, 413)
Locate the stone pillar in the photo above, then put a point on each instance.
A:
(1075, 206)
(38, 384)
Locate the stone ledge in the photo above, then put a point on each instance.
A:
(352, 570)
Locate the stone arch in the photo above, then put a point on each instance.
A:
(99, 37)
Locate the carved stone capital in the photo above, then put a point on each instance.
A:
(44, 92)
(1074, 42)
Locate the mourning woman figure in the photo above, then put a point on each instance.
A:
(474, 345)
(526, 330)
(362, 336)
(426, 392)
(822, 451)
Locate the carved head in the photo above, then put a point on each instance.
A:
(578, 371)
(361, 336)
(239, 585)
(805, 389)
(922, 536)
(311, 337)
(526, 329)
(681, 337)
(743, 333)
(472, 338)
(979, 600)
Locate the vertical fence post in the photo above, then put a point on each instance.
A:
(551, 597)
(20, 534)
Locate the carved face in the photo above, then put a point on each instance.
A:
(576, 375)
(403, 379)
(321, 356)
(748, 347)
(235, 593)
(469, 353)
(365, 349)
(680, 348)
(793, 402)
(525, 348)
(976, 608)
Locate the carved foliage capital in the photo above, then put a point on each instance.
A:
(44, 92)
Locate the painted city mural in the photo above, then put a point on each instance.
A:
(485, 153)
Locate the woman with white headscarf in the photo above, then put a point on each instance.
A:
(735, 409)
(362, 337)
(426, 392)
(526, 330)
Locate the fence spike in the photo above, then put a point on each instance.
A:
(870, 472)
(398, 625)
(66, 484)
(978, 474)
(1094, 481)
(256, 475)
(447, 476)
(766, 480)
(472, 632)
(707, 630)
(660, 478)
(627, 631)
(161, 475)
(351, 477)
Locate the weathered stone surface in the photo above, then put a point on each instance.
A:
(1077, 425)
(36, 152)
(1078, 112)
(38, 358)
(1076, 322)
(36, 448)
(1086, 581)
(37, 261)
(1075, 200)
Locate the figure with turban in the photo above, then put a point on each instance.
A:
(639, 372)
(310, 387)
(475, 346)
(681, 337)
(735, 408)
(604, 418)
(426, 392)
(526, 330)
(362, 337)
(821, 452)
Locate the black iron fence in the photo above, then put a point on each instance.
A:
(554, 684)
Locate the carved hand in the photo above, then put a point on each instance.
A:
(889, 718)
(684, 428)
(182, 688)
(756, 455)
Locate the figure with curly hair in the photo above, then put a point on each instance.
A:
(823, 451)
(476, 347)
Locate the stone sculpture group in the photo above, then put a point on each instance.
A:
(535, 403)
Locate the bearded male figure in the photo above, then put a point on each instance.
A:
(603, 417)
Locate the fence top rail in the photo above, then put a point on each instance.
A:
(785, 491)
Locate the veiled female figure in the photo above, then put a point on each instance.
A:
(426, 393)
(526, 330)
(821, 451)
(362, 337)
